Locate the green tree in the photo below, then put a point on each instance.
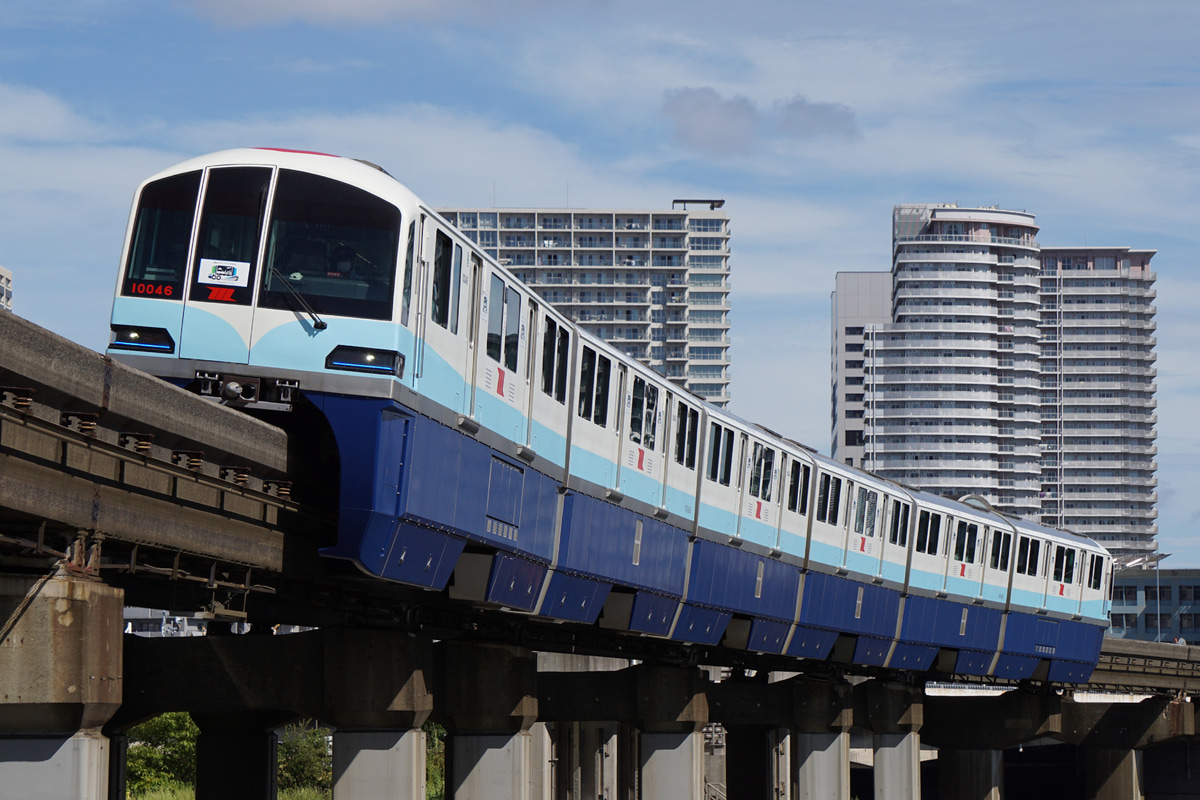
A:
(305, 760)
(162, 753)
(435, 761)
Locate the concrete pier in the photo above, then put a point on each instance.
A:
(60, 681)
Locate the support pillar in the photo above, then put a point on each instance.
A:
(373, 763)
(894, 713)
(970, 774)
(377, 696)
(673, 709)
(1112, 774)
(490, 704)
(822, 714)
(821, 765)
(60, 681)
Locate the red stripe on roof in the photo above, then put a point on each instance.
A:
(303, 152)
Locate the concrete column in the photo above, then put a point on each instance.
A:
(970, 774)
(672, 765)
(374, 763)
(1112, 774)
(490, 702)
(376, 693)
(821, 765)
(60, 681)
(894, 713)
(673, 709)
(542, 762)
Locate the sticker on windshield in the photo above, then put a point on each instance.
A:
(224, 273)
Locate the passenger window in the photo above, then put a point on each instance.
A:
(455, 288)
(929, 530)
(593, 387)
(512, 335)
(828, 499)
(560, 377)
(495, 333)
(642, 411)
(687, 420)
(720, 455)
(798, 489)
(587, 374)
(1001, 542)
(760, 477)
(406, 296)
(556, 347)
(864, 515)
(1097, 572)
(898, 534)
(1027, 556)
(549, 338)
(965, 541)
(600, 407)
(439, 305)
(1064, 564)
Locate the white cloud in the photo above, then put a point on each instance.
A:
(244, 13)
(31, 115)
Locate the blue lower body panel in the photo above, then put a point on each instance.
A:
(913, 656)
(653, 613)
(848, 606)
(575, 598)
(515, 582)
(767, 636)
(701, 625)
(809, 642)
(422, 557)
(871, 651)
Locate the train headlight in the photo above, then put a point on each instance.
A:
(150, 340)
(366, 359)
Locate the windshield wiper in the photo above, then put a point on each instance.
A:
(317, 322)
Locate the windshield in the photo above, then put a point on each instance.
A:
(335, 244)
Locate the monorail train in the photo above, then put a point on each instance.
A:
(490, 448)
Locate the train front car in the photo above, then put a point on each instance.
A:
(281, 281)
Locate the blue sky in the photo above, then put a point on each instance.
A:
(811, 120)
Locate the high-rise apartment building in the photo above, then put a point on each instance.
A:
(1098, 395)
(654, 283)
(6, 292)
(1000, 369)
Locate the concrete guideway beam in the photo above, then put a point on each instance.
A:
(997, 722)
(70, 375)
(349, 678)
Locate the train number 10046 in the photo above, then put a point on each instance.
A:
(163, 290)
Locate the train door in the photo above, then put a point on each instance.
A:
(862, 526)
(594, 432)
(758, 520)
(681, 474)
(966, 555)
(442, 345)
(894, 563)
(718, 493)
(927, 568)
(548, 404)
(499, 384)
(640, 463)
(218, 314)
(1066, 573)
(996, 568)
